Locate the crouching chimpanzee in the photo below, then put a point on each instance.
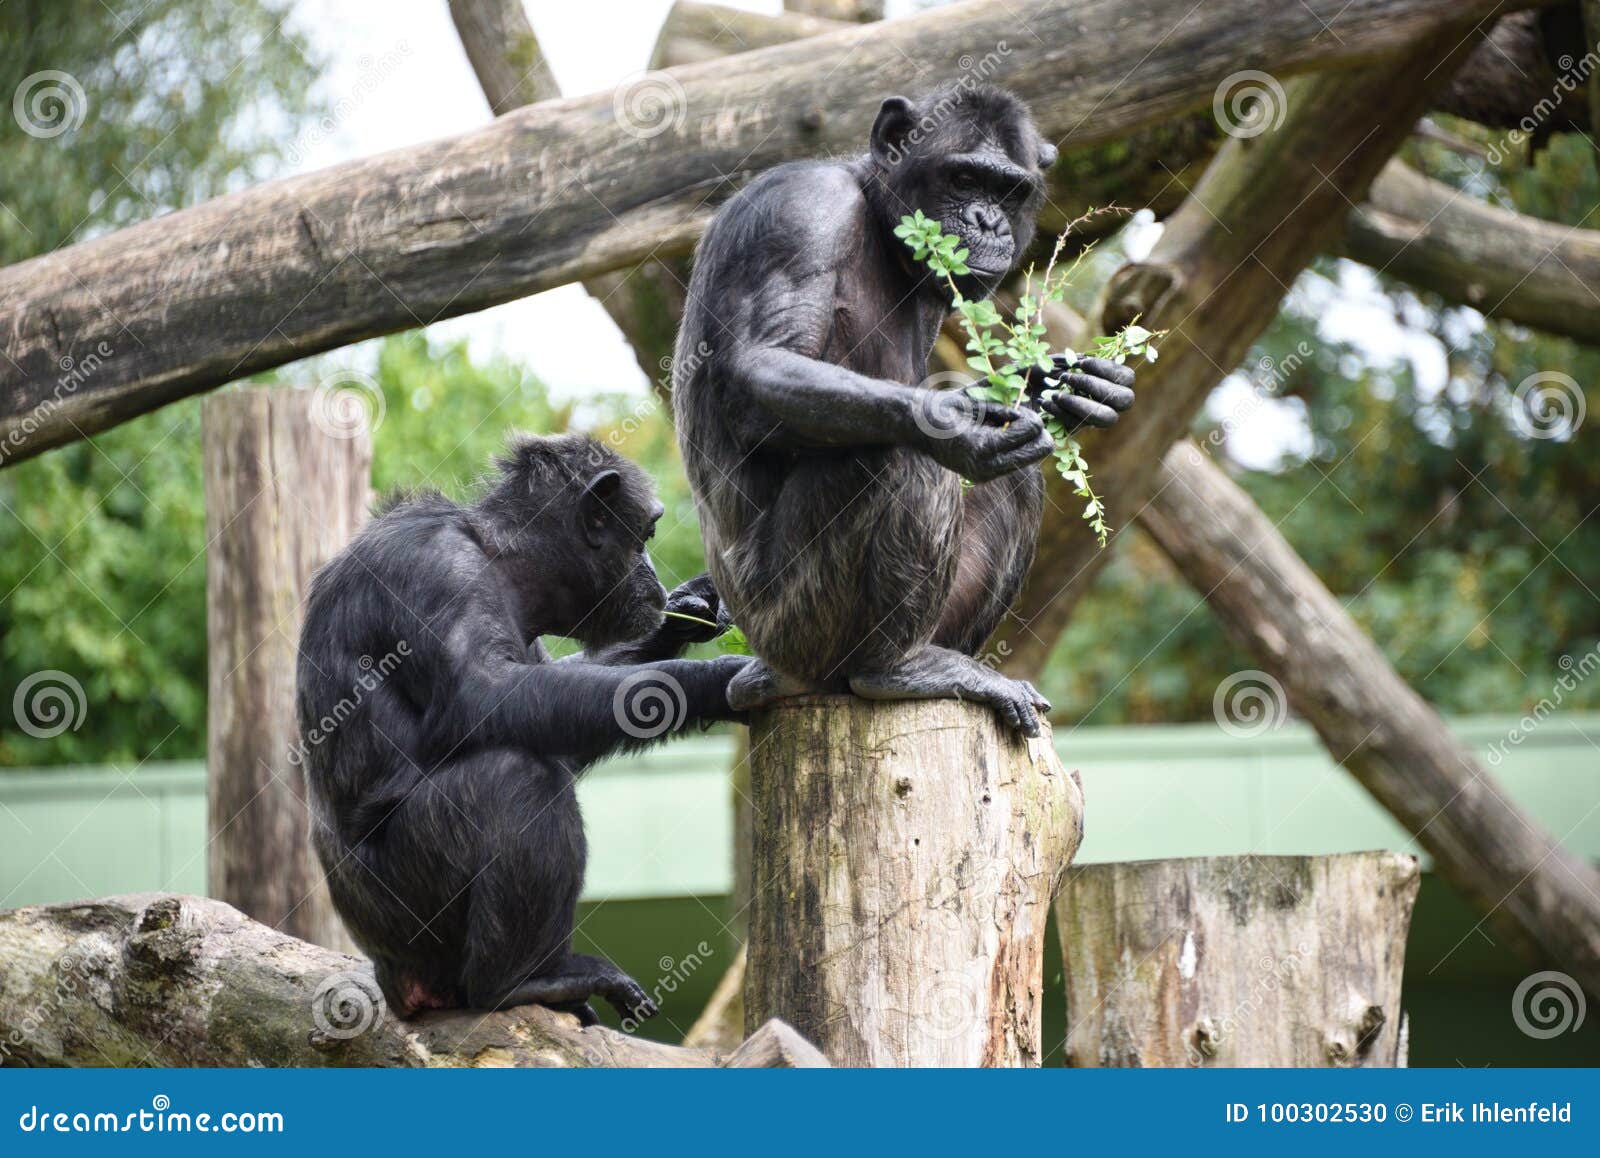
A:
(829, 484)
(443, 794)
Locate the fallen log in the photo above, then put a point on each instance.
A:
(568, 189)
(163, 980)
(904, 859)
(1237, 961)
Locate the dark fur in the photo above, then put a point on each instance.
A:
(835, 524)
(444, 801)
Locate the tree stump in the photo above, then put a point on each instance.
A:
(288, 481)
(1237, 961)
(904, 859)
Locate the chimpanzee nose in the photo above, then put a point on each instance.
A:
(988, 218)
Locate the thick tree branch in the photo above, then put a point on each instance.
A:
(1266, 206)
(504, 52)
(1505, 264)
(568, 189)
(164, 980)
(1389, 738)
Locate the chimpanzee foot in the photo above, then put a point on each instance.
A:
(759, 685)
(582, 1010)
(938, 673)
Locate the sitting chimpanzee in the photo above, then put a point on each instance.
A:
(443, 794)
(829, 484)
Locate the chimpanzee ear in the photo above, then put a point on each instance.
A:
(1047, 154)
(896, 118)
(596, 503)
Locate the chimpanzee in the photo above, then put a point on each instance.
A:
(442, 787)
(829, 484)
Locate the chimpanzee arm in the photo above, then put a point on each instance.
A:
(791, 398)
(694, 614)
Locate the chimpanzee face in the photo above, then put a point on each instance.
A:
(971, 161)
(617, 518)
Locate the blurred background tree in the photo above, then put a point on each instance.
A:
(1458, 541)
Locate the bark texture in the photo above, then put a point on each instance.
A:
(905, 857)
(287, 482)
(505, 54)
(568, 189)
(1542, 899)
(1503, 264)
(163, 980)
(1266, 206)
(1237, 961)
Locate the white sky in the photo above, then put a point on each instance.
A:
(595, 45)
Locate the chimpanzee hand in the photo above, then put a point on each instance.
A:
(986, 439)
(698, 597)
(1093, 391)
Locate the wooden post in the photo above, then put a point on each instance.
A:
(287, 477)
(904, 857)
(1237, 961)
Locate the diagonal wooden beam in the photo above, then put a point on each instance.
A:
(567, 189)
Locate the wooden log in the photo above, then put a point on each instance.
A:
(568, 189)
(1268, 203)
(905, 856)
(1540, 898)
(504, 53)
(287, 482)
(164, 980)
(1506, 265)
(1237, 961)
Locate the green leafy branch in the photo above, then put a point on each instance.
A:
(1003, 351)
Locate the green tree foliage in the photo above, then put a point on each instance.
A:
(102, 543)
(174, 101)
(1464, 546)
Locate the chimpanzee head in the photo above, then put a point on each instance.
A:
(569, 519)
(970, 158)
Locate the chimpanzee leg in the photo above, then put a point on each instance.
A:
(999, 534)
(524, 898)
(938, 673)
(850, 568)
